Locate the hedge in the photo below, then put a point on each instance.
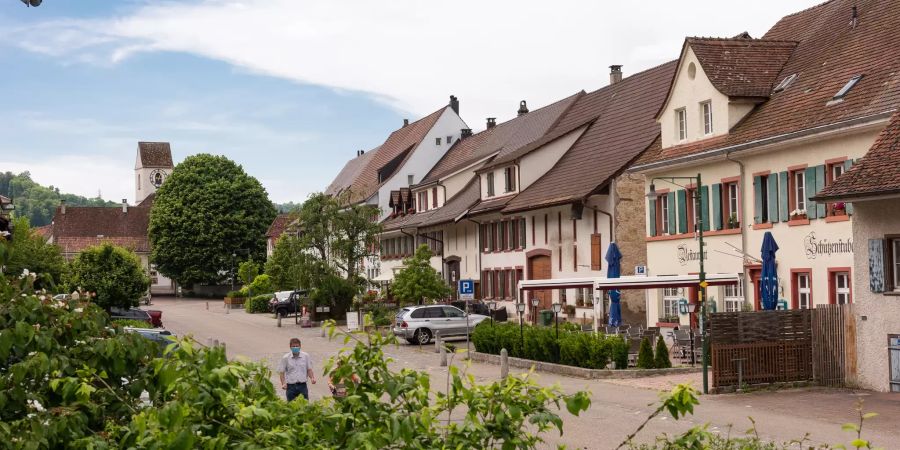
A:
(580, 349)
(132, 323)
(258, 304)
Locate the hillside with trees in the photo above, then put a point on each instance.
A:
(38, 203)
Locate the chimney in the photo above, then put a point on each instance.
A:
(491, 122)
(62, 206)
(465, 132)
(125, 205)
(405, 122)
(615, 74)
(454, 103)
(854, 17)
(523, 108)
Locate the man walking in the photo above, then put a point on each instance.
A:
(294, 370)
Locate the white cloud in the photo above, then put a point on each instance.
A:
(413, 54)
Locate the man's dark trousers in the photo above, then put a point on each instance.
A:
(297, 389)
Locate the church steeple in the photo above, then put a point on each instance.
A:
(151, 168)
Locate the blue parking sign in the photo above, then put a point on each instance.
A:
(466, 289)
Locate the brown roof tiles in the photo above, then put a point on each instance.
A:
(742, 67)
(155, 154)
(279, 225)
(83, 226)
(349, 173)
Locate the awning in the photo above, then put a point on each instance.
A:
(630, 282)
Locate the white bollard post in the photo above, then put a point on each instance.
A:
(279, 320)
(443, 355)
(227, 309)
(504, 363)
(437, 342)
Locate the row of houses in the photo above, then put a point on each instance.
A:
(793, 133)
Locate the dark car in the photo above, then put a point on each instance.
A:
(151, 316)
(477, 307)
(291, 303)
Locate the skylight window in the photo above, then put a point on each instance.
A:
(785, 82)
(844, 90)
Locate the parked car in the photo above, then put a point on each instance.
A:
(161, 336)
(61, 297)
(479, 307)
(418, 324)
(287, 302)
(151, 316)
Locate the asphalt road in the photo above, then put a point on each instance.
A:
(618, 406)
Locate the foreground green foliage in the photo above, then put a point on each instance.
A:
(645, 355)
(661, 359)
(258, 304)
(113, 273)
(588, 350)
(32, 252)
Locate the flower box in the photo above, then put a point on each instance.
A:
(234, 300)
(798, 214)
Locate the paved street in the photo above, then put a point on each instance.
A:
(618, 405)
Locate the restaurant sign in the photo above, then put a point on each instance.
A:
(825, 247)
(686, 255)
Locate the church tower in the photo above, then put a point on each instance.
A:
(152, 166)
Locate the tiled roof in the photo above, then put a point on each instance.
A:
(83, 226)
(829, 53)
(455, 206)
(349, 173)
(155, 154)
(401, 140)
(624, 126)
(281, 222)
(739, 67)
(490, 205)
(878, 173)
(505, 137)
(405, 220)
(43, 231)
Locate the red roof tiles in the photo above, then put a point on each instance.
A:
(741, 67)
(155, 154)
(83, 226)
(281, 223)
(878, 173)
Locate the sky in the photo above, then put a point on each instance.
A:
(291, 89)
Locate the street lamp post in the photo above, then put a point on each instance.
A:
(692, 308)
(233, 256)
(491, 307)
(557, 307)
(534, 304)
(520, 307)
(703, 310)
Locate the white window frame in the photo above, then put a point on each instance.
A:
(840, 292)
(800, 190)
(490, 183)
(734, 297)
(734, 200)
(836, 171)
(804, 293)
(664, 210)
(896, 262)
(681, 124)
(706, 112)
(671, 297)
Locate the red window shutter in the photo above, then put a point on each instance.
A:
(434, 197)
(596, 254)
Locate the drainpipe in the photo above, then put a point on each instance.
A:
(744, 223)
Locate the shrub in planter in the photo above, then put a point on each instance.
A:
(577, 349)
(258, 304)
(645, 355)
(661, 359)
(236, 294)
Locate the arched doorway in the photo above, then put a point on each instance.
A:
(453, 274)
(539, 266)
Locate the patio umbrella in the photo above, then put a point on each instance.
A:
(769, 277)
(614, 270)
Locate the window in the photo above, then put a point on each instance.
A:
(785, 82)
(490, 184)
(670, 305)
(663, 214)
(734, 297)
(503, 239)
(509, 175)
(833, 171)
(706, 110)
(841, 294)
(488, 285)
(895, 262)
(844, 90)
(802, 286)
(503, 283)
(495, 243)
(563, 296)
(449, 140)
(422, 200)
(522, 231)
(579, 297)
(799, 189)
(434, 197)
(409, 180)
(681, 124)
(519, 277)
(693, 209)
(437, 141)
(732, 205)
(764, 200)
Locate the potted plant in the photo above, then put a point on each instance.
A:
(733, 221)
(235, 297)
(839, 209)
(798, 214)
(570, 310)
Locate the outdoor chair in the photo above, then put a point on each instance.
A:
(634, 346)
(611, 329)
(682, 345)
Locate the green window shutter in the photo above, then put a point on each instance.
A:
(682, 212)
(673, 216)
(783, 205)
(704, 207)
(652, 208)
(773, 198)
(757, 199)
(847, 165)
(810, 186)
(820, 184)
(717, 206)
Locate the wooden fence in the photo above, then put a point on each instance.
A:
(763, 347)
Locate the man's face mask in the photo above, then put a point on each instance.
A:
(295, 349)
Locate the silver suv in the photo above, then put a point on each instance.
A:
(418, 324)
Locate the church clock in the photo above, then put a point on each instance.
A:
(157, 177)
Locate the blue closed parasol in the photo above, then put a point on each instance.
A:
(769, 276)
(614, 270)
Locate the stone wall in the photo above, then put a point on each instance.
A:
(631, 238)
(876, 314)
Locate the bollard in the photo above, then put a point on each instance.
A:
(504, 363)
(437, 342)
(227, 309)
(215, 342)
(443, 355)
(207, 306)
(209, 342)
(323, 330)
(279, 320)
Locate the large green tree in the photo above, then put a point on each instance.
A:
(30, 251)
(208, 210)
(114, 273)
(418, 281)
(290, 266)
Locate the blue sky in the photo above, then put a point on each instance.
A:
(291, 89)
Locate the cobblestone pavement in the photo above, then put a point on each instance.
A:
(618, 405)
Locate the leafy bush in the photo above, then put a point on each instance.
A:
(262, 284)
(588, 350)
(247, 272)
(236, 294)
(645, 355)
(111, 272)
(382, 316)
(661, 358)
(132, 323)
(258, 304)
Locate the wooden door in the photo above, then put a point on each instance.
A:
(453, 278)
(539, 269)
